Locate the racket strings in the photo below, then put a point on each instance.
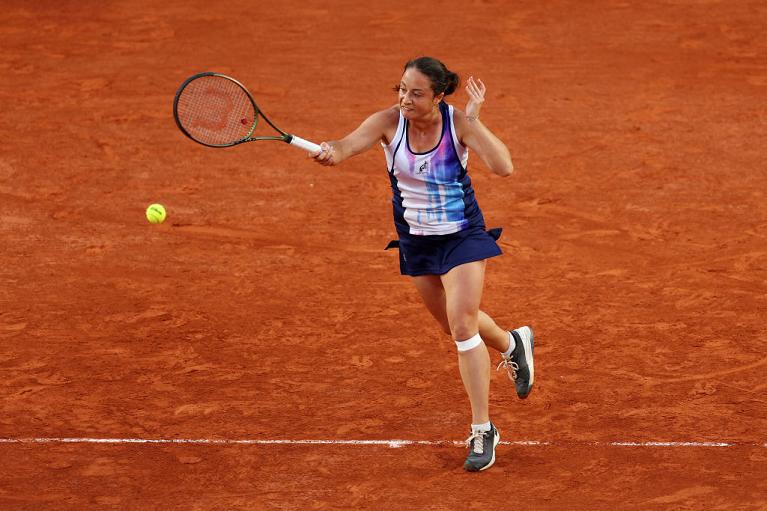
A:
(216, 111)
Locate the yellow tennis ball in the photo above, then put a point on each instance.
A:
(155, 213)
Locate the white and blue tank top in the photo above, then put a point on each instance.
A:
(432, 192)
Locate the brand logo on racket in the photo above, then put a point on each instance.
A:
(219, 112)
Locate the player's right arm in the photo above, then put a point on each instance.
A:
(378, 127)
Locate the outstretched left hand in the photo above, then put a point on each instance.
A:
(476, 91)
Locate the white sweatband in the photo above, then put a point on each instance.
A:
(469, 344)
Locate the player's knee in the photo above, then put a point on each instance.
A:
(463, 329)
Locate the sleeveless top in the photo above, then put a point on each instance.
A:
(432, 192)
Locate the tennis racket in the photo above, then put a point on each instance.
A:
(218, 111)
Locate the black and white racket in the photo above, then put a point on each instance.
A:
(218, 111)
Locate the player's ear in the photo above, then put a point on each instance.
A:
(438, 98)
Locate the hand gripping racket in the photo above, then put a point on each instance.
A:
(218, 111)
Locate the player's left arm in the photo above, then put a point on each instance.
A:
(473, 134)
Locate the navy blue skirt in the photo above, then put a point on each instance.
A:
(437, 255)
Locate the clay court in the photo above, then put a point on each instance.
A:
(188, 365)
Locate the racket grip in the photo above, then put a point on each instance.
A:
(304, 144)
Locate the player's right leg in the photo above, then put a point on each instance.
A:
(516, 359)
(433, 294)
(463, 292)
(457, 314)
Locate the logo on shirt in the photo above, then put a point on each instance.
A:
(424, 168)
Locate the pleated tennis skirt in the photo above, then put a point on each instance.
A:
(437, 255)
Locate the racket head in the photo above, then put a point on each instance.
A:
(215, 110)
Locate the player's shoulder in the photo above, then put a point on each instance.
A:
(458, 114)
(460, 122)
(387, 116)
(386, 121)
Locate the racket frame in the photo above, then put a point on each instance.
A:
(284, 136)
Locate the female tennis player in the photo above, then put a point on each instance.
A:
(443, 244)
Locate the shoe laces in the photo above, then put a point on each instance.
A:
(511, 366)
(479, 441)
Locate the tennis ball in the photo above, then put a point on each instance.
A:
(155, 213)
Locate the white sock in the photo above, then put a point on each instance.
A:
(469, 344)
(481, 427)
(512, 345)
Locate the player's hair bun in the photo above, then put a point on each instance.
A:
(453, 80)
(442, 79)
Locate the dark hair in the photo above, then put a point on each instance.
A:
(442, 79)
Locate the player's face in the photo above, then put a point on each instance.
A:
(416, 97)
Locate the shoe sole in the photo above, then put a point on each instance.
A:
(529, 355)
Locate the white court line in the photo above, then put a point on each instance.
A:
(390, 443)
(203, 441)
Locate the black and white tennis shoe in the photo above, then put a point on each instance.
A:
(481, 449)
(519, 363)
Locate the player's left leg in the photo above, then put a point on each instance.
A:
(518, 360)
(433, 295)
(494, 336)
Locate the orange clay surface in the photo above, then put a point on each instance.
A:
(265, 308)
